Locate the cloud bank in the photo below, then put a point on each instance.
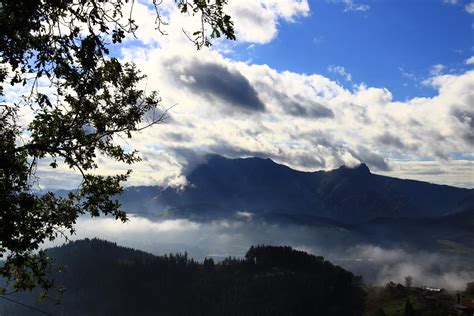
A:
(220, 239)
(307, 121)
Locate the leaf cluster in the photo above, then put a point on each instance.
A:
(83, 102)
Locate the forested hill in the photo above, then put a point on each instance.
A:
(102, 278)
(220, 187)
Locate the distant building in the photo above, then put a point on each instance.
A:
(431, 289)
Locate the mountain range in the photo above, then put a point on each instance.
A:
(346, 206)
(222, 187)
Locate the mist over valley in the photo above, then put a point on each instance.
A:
(382, 228)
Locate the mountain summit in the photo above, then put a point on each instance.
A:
(361, 169)
(221, 186)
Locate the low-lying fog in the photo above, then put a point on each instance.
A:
(223, 238)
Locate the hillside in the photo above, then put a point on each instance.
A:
(220, 187)
(102, 278)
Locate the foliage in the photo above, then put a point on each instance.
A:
(409, 311)
(103, 279)
(395, 290)
(470, 288)
(395, 300)
(82, 100)
(379, 312)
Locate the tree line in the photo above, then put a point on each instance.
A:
(101, 278)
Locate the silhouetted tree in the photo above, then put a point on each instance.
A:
(395, 290)
(104, 279)
(470, 288)
(379, 312)
(409, 311)
(92, 98)
(408, 282)
(208, 264)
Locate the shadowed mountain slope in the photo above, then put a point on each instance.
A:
(221, 187)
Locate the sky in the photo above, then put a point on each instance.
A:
(312, 85)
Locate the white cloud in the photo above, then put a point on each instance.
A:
(470, 8)
(318, 39)
(254, 21)
(470, 61)
(340, 71)
(437, 70)
(257, 21)
(407, 74)
(426, 268)
(458, 172)
(350, 5)
(307, 121)
(220, 239)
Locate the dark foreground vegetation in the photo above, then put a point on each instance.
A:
(398, 300)
(101, 278)
(104, 279)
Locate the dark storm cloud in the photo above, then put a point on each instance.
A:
(469, 137)
(467, 118)
(178, 137)
(317, 138)
(391, 140)
(297, 105)
(188, 158)
(302, 159)
(374, 160)
(217, 81)
(311, 109)
(224, 148)
(415, 122)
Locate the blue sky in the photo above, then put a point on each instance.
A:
(310, 84)
(392, 44)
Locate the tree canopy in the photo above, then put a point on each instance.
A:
(82, 99)
(106, 279)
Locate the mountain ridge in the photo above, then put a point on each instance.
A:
(349, 195)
